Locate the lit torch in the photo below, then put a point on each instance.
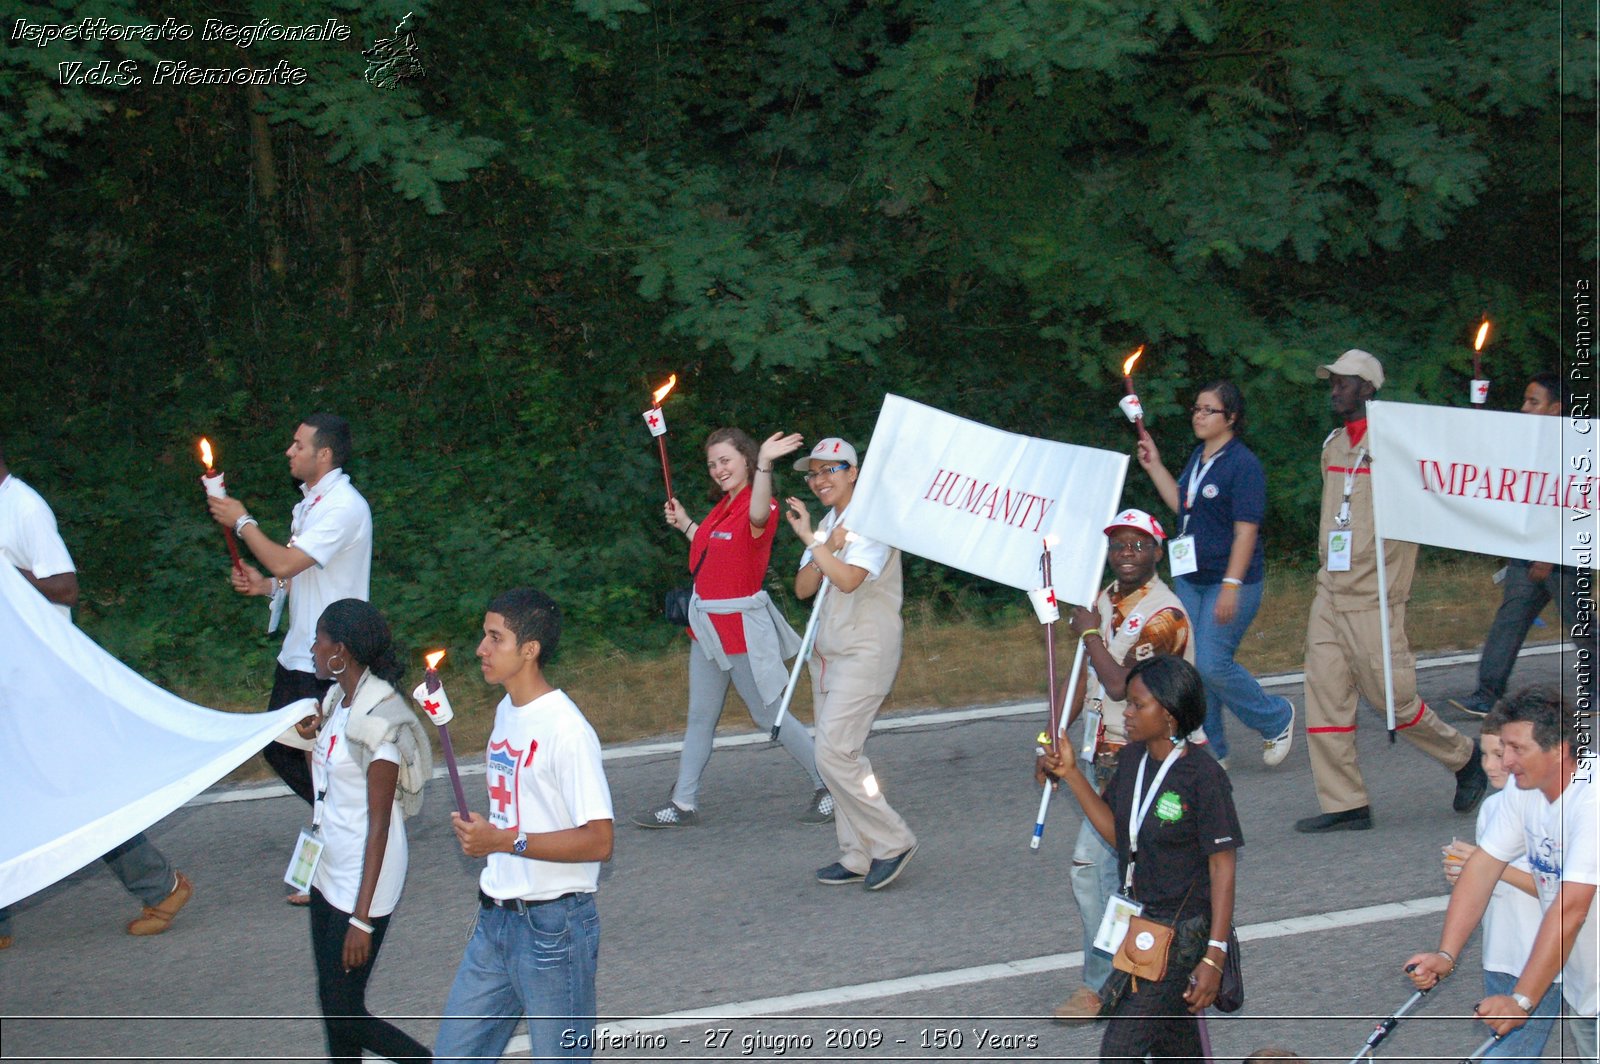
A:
(1480, 387)
(215, 484)
(1048, 612)
(657, 424)
(1129, 403)
(430, 695)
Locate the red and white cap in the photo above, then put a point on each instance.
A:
(832, 449)
(1140, 520)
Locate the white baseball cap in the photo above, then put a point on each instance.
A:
(1140, 520)
(832, 449)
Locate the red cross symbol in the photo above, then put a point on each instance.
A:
(653, 420)
(836, 448)
(1051, 597)
(501, 795)
(430, 707)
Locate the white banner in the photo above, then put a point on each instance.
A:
(983, 501)
(1514, 485)
(91, 753)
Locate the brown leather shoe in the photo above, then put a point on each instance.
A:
(5, 941)
(156, 918)
(1082, 1007)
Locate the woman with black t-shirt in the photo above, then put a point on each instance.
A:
(1169, 810)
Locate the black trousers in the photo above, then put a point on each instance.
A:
(343, 995)
(1154, 1021)
(289, 763)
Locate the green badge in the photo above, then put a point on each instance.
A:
(1169, 807)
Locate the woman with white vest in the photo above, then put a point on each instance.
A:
(369, 762)
(857, 587)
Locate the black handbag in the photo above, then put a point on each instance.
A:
(1230, 995)
(675, 607)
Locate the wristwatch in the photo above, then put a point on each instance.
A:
(521, 845)
(1522, 1002)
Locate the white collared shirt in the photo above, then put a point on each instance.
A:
(333, 525)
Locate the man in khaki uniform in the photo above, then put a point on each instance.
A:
(1344, 648)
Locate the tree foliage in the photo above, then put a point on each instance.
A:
(981, 204)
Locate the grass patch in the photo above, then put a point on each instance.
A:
(960, 660)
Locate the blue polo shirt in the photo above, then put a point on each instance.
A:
(1233, 489)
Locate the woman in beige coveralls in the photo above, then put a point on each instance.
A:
(853, 666)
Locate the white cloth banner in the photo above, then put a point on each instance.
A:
(983, 501)
(91, 753)
(1514, 485)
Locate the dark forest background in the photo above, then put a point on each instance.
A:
(795, 206)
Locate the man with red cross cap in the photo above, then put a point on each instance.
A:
(1344, 647)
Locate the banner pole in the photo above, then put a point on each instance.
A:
(1066, 722)
(1383, 618)
(800, 657)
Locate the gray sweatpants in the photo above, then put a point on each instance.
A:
(708, 692)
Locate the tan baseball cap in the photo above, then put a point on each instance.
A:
(1355, 363)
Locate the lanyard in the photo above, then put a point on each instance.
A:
(1343, 519)
(1196, 477)
(1140, 808)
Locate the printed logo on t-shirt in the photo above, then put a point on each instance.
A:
(722, 535)
(1546, 865)
(502, 766)
(1209, 491)
(1133, 623)
(1169, 807)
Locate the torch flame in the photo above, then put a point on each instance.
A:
(434, 659)
(1483, 334)
(205, 452)
(661, 392)
(1052, 541)
(1127, 366)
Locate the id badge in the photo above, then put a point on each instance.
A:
(275, 610)
(1339, 552)
(303, 865)
(1091, 735)
(1114, 923)
(1180, 551)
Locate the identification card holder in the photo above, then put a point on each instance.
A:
(303, 865)
(1180, 552)
(1091, 735)
(275, 610)
(1114, 923)
(1339, 551)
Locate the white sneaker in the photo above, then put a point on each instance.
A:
(1273, 751)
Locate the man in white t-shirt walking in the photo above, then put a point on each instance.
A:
(534, 949)
(1552, 818)
(328, 557)
(30, 541)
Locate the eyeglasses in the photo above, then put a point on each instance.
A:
(827, 471)
(1137, 546)
(1206, 410)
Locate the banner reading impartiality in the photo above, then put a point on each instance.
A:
(1514, 485)
(983, 501)
(91, 753)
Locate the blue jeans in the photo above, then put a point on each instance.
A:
(1521, 601)
(540, 964)
(1094, 880)
(1227, 682)
(144, 871)
(1525, 1045)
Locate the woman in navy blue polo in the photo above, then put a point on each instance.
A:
(1220, 497)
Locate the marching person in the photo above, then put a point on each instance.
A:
(738, 633)
(853, 666)
(370, 762)
(1511, 922)
(1220, 497)
(1169, 808)
(1135, 618)
(536, 942)
(30, 541)
(1528, 587)
(1344, 647)
(1552, 818)
(328, 557)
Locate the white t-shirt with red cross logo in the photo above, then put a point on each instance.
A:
(543, 774)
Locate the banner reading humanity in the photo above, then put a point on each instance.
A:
(983, 501)
(1514, 485)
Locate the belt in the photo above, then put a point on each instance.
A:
(518, 905)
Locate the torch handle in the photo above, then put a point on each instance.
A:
(233, 549)
(455, 773)
(666, 469)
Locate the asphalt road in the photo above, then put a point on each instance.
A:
(723, 925)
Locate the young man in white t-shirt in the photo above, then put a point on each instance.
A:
(535, 946)
(1553, 818)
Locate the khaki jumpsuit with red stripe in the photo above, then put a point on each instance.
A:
(1344, 647)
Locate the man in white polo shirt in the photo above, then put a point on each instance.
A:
(30, 541)
(1552, 817)
(328, 557)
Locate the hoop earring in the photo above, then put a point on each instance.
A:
(343, 665)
